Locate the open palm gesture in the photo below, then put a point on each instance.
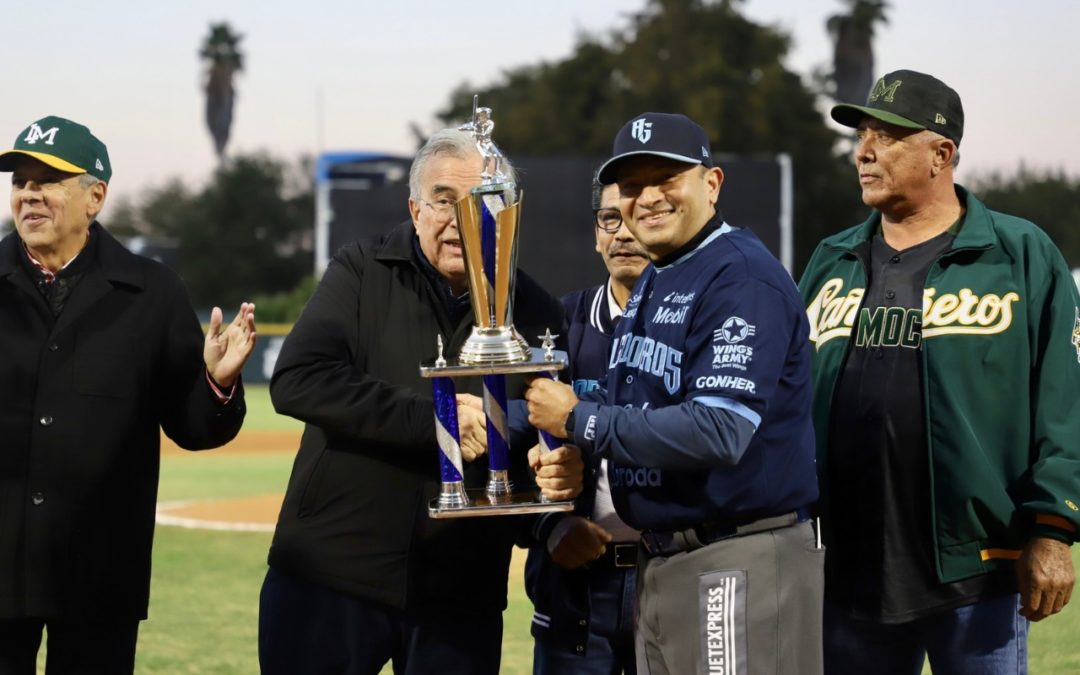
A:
(228, 347)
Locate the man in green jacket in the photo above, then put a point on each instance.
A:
(946, 373)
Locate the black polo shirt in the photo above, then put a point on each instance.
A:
(880, 564)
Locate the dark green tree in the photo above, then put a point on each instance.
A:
(247, 233)
(704, 59)
(221, 52)
(852, 34)
(1050, 199)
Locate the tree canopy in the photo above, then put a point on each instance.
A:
(1050, 199)
(703, 59)
(221, 52)
(247, 232)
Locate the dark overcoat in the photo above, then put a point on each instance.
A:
(355, 513)
(85, 396)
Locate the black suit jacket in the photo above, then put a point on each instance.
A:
(355, 513)
(84, 398)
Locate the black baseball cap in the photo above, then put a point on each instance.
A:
(660, 134)
(62, 144)
(909, 99)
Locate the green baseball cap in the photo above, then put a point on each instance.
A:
(909, 99)
(62, 144)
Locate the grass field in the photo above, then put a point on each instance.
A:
(204, 602)
(205, 589)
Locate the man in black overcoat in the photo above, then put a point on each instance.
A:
(100, 351)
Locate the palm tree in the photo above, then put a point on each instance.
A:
(853, 53)
(223, 59)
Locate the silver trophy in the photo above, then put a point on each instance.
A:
(488, 221)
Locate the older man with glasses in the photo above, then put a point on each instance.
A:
(359, 575)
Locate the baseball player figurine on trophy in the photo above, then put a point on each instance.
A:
(488, 222)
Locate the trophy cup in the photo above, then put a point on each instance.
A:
(488, 223)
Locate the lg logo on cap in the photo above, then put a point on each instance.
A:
(641, 130)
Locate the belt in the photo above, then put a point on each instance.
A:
(666, 543)
(617, 556)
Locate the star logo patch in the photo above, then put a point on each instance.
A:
(734, 331)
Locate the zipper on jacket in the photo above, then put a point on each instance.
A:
(926, 412)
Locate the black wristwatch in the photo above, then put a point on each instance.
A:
(570, 424)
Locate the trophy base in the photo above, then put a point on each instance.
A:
(482, 504)
(537, 363)
(494, 346)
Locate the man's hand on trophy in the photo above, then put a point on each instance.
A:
(472, 426)
(558, 472)
(550, 401)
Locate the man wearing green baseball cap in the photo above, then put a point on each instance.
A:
(101, 351)
(944, 379)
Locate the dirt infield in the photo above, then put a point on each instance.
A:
(247, 442)
(248, 514)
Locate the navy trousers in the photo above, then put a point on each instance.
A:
(96, 646)
(305, 628)
(610, 646)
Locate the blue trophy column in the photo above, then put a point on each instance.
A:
(446, 431)
(498, 436)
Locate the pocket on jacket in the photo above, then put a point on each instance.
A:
(309, 497)
(104, 374)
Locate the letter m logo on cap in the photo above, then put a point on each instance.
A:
(889, 92)
(35, 134)
(641, 130)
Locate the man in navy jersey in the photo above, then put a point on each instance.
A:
(582, 568)
(705, 423)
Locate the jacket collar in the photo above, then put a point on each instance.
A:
(600, 309)
(977, 231)
(116, 263)
(397, 245)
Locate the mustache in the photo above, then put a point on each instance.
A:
(626, 249)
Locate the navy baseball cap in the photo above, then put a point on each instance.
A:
(911, 100)
(662, 135)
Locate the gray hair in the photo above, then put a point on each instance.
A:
(956, 155)
(453, 142)
(88, 181)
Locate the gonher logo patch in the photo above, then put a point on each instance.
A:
(36, 134)
(734, 331)
(641, 130)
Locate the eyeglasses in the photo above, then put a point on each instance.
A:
(443, 207)
(609, 220)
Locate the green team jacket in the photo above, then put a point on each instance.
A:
(1001, 366)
